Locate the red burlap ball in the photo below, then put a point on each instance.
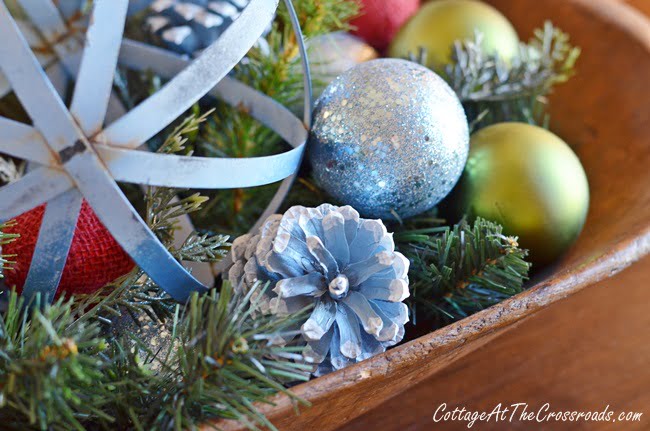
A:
(95, 258)
(381, 19)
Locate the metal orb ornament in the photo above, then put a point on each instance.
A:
(81, 151)
(390, 138)
(531, 182)
(438, 24)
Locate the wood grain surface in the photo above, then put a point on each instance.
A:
(587, 352)
(642, 5)
(584, 353)
(603, 114)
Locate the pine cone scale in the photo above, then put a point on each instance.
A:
(344, 265)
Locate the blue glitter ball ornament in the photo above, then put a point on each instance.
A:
(390, 138)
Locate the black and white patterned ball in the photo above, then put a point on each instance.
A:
(188, 26)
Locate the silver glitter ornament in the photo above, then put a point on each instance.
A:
(345, 266)
(390, 138)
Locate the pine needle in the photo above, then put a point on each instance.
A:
(493, 90)
(462, 269)
(5, 238)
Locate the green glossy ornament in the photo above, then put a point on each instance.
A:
(438, 24)
(530, 181)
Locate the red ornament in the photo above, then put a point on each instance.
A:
(381, 19)
(94, 260)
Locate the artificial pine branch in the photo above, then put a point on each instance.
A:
(163, 208)
(461, 270)
(52, 371)
(133, 294)
(494, 90)
(226, 360)
(60, 371)
(548, 59)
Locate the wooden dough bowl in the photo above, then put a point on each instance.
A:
(604, 114)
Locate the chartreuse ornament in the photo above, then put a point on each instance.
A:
(438, 24)
(529, 180)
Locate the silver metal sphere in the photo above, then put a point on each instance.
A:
(390, 138)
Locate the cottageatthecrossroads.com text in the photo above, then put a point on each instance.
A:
(522, 412)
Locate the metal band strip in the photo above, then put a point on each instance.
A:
(141, 57)
(54, 241)
(46, 16)
(38, 96)
(24, 142)
(94, 81)
(167, 170)
(32, 190)
(194, 172)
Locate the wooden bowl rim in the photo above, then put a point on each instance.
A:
(628, 250)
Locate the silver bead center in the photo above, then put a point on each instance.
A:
(339, 287)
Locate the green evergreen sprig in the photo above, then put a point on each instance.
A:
(164, 207)
(494, 90)
(52, 370)
(226, 360)
(457, 271)
(498, 91)
(5, 238)
(60, 370)
(133, 294)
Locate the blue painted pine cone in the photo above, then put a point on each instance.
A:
(346, 266)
